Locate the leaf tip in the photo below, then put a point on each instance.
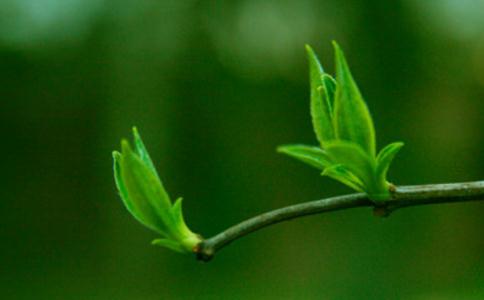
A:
(281, 149)
(335, 45)
(135, 131)
(339, 56)
(157, 242)
(116, 155)
(178, 202)
(309, 49)
(125, 147)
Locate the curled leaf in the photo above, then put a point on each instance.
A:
(385, 158)
(123, 192)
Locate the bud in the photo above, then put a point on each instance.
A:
(144, 196)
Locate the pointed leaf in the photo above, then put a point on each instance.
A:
(385, 158)
(141, 150)
(313, 156)
(352, 120)
(146, 191)
(341, 174)
(320, 103)
(117, 157)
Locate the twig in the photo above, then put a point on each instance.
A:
(403, 196)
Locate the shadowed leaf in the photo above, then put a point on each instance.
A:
(341, 174)
(354, 159)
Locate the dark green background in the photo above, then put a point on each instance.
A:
(214, 87)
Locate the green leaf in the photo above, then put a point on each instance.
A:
(117, 157)
(146, 192)
(321, 110)
(385, 158)
(146, 199)
(355, 160)
(313, 156)
(329, 90)
(170, 244)
(141, 150)
(340, 173)
(352, 120)
(345, 131)
(177, 213)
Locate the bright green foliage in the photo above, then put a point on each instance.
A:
(311, 155)
(344, 128)
(320, 102)
(352, 120)
(144, 196)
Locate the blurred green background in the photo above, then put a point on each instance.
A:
(214, 87)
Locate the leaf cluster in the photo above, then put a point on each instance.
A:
(144, 196)
(345, 131)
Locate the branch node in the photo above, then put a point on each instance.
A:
(392, 188)
(203, 253)
(381, 211)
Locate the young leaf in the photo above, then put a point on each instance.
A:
(385, 158)
(352, 119)
(117, 157)
(177, 213)
(355, 159)
(340, 173)
(329, 90)
(313, 156)
(348, 145)
(141, 150)
(320, 102)
(144, 196)
(147, 195)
